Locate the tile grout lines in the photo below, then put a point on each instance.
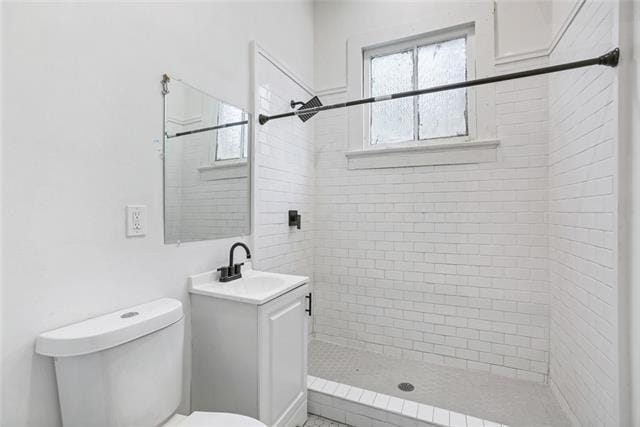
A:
(373, 402)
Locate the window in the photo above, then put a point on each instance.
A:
(417, 64)
(230, 142)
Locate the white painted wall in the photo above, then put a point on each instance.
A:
(630, 22)
(81, 109)
(522, 27)
(629, 204)
(1, 192)
(562, 12)
(584, 221)
(336, 22)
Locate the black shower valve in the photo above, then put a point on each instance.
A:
(295, 219)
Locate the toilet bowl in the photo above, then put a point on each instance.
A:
(125, 369)
(212, 419)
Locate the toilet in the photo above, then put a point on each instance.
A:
(124, 369)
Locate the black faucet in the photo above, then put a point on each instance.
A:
(233, 271)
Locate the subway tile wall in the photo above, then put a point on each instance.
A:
(285, 177)
(446, 264)
(582, 222)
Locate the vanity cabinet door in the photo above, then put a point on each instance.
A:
(283, 359)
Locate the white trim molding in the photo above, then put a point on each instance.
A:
(546, 51)
(331, 91)
(522, 56)
(228, 169)
(565, 25)
(424, 155)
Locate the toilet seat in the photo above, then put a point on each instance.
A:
(219, 419)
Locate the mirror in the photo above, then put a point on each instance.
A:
(207, 183)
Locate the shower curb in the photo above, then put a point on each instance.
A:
(358, 407)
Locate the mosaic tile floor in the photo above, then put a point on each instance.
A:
(484, 395)
(316, 421)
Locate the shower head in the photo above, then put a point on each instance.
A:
(312, 103)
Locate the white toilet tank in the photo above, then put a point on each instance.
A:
(121, 369)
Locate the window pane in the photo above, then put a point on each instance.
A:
(392, 121)
(229, 139)
(442, 114)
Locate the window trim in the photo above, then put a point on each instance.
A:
(409, 43)
(449, 153)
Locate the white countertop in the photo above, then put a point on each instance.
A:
(254, 287)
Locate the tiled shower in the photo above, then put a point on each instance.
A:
(505, 267)
(482, 274)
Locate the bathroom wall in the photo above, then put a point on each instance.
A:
(284, 171)
(629, 90)
(583, 222)
(1, 192)
(446, 264)
(82, 122)
(515, 35)
(517, 32)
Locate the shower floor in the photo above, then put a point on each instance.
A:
(508, 401)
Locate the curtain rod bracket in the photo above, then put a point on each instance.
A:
(611, 58)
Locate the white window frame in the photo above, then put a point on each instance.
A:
(412, 43)
(243, 144)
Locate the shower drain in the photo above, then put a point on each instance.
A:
(406, 387)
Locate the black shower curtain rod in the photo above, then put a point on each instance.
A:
(609, 59)
(207, 129)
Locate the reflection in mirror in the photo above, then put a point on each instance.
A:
(206, 166)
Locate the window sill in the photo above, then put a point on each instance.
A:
(424, 155)
(224, 170)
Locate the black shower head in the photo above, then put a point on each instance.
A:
(312, 103)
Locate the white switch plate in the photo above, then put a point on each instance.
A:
(136, 220)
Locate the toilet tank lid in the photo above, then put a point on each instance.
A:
(110, 330)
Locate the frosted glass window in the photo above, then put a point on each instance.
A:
(442, 114)
(230, 141)
(416, 65)
(392, 121)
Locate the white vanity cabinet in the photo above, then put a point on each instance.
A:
(249, 350)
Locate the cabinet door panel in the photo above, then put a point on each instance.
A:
(284, 357)
(287, 345)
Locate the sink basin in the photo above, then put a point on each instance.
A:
(255, 287)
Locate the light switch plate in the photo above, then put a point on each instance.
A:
(136, 220)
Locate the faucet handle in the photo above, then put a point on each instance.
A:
(224, 272)
(237, 268)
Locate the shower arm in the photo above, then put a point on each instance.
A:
(609, 59)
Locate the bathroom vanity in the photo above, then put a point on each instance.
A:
(249, 344)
